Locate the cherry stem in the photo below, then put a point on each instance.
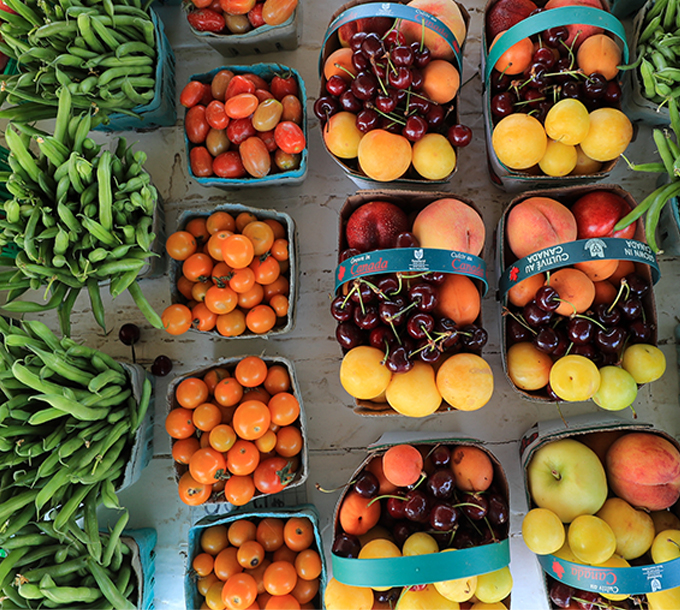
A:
(341, 67)
(623, 287)
(330, 491)
(520, 319)
(389, 116)
(579, 315)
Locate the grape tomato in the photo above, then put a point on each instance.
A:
(206, 20)
(255, 15)
(201, 162)
(258, 81)
(286, 162)
(255, 157)
(238, 84)
(284, 85)
(229, 165)
(269, 141)
(241, 106)
(290, 137)
(195, 124)
(239, 130)
(217, 142)
(267, 115)
(264, 94)
(276, 12)
(192, 94)
(216, 116)
(220, 82)
(237, 24)
(292, 109)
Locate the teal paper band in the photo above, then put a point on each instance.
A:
(598, 248)
(421, 569)
(411, 260)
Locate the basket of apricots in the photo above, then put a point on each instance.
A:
(390, 75)
(270, 558)
(238, 431)
(578, 317)
(418, 524)
(233, 273)
(552, 100)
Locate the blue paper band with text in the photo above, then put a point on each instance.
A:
(581, 250)
(411, 260)
(636, 580)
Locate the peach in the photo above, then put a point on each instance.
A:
(450, 224)
(644, 469)
(446, 11)
(600, 441)
(599, 53)
(522, 292)
(537, 223)
(578, 32)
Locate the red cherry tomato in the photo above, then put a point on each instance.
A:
(273, 474)
(255, 157)
(229, 165)
(258, 81)
(196, 126)
(201, 162)
(240, 130)
(215, 115)
(264, 94)
(281, 86)
(202, 3)
(241, 106)
(205, 20)
(192, 93)
(290, 137)
(239, 84)
(255, 15)
(269, 140)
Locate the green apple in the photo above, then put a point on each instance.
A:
(567, 477)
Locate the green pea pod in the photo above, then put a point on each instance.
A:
(99, 382)
(32, 307)
(29, 243)
(119, 266)
(122, 282)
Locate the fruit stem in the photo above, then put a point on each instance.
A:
(341, 67)
(623, 287)
(520, 319)
(330, 491)
(556, 474)
(578, 315)
(389, 116)
(386, 496)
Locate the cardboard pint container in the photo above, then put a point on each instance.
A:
(366, 9)
(260, 40)
(637, 103)
(193, 598)
(283, 325)
(276, 177)
(512, 271)
(301, 422)
(514, 181)
(415, 260)
(142, 543)
(434, 567)
(598, 431)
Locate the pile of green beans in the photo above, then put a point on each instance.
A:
(658, 51)
(67, 426)
(80, 216)
(668, 146)
(72, 568)
(104, 52)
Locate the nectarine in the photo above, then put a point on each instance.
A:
(450, 224)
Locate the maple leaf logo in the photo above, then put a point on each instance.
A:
(558, 568)
(341, 273)
(514, 274)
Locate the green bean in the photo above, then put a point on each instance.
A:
(65, 308)
(57, 570)
(143, 406)
(99, 232)
(8, 563)
(108, 495)
(29, 306)
(18, 149)
(16, 503)
(652, 219)
(108, 588)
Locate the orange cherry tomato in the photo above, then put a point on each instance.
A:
(207, 416)
(251, 371)
(221, 274)
(185, 286)
(285, 408)
(243, 458)
(240, 590)
(280, 578)
(204, 583)
(269, 533)
(220, 221)
(214, 539)
(250, 554)
(203, 563)
(207, 465)
(222, 438)
(288, 441)
(250, 298)
(242, 281)
(180, 245)
(305, 590)
(284, 554)
(183, 449)
(228, 392)
(176, 319)
(198, 291)
(251, 420)
(308, 564)
(267, 442)
(220, 300)
(192, 492)
(277, 227)
(214, 376)
(241, 531)
(202, 318)
(243, 220)
(215, 244)
(277, 380)
(262, 236)
(226, 564)
(239, 490)
(197, 227)
(282, 602)
(279, 249)
(191, 392)
(298, 533)
(179, 424)
(231, 324)
(260, 319)
(197, 267)
(279, 303)
(279, 286)
(237, 251)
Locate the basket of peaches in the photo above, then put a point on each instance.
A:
(390, 74)
(232, 273)
(238, 431)
(579, 320)
(422, 524)
(409, 285)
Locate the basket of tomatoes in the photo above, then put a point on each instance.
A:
(248, 558)
(246, 27)
(238, 431)
(246, 126)
(233, 273)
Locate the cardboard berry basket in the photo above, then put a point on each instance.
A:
(160, 111)
(511, 180)
(669, 229)
(260, 40)
(512, 271)
(230, 364)
(636, 105)
(598, 431)
(283, 325)
(428, 568)
(364, 9)
(192, 597)
(142, 543)
(267, 71)
(415, 260)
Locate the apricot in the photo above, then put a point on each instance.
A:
(622, 270)
(519, 141)
(338, 596)
(605, 293)
(522, 292)
(517, 58)
(465, 381)
(339, 63)
(609, 135)
(459, 299)
(384, 156)
(598, 270)
(575, 288)
(472, 468)
(528, 367)
(599, 53)
(433, 156)
(585, 166)
(375, 466)
(357, 515)
(537, 223)
(441, 81)
(402, 465)
(341, 135)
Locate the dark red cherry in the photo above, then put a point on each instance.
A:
(420, 325)
(459, 135)
(341, 308)
(346, 545)
(162, 365)
(415, 128)
(547, 298)
(443, 517)
(336, 85)
(366, 484)
(349, 335)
